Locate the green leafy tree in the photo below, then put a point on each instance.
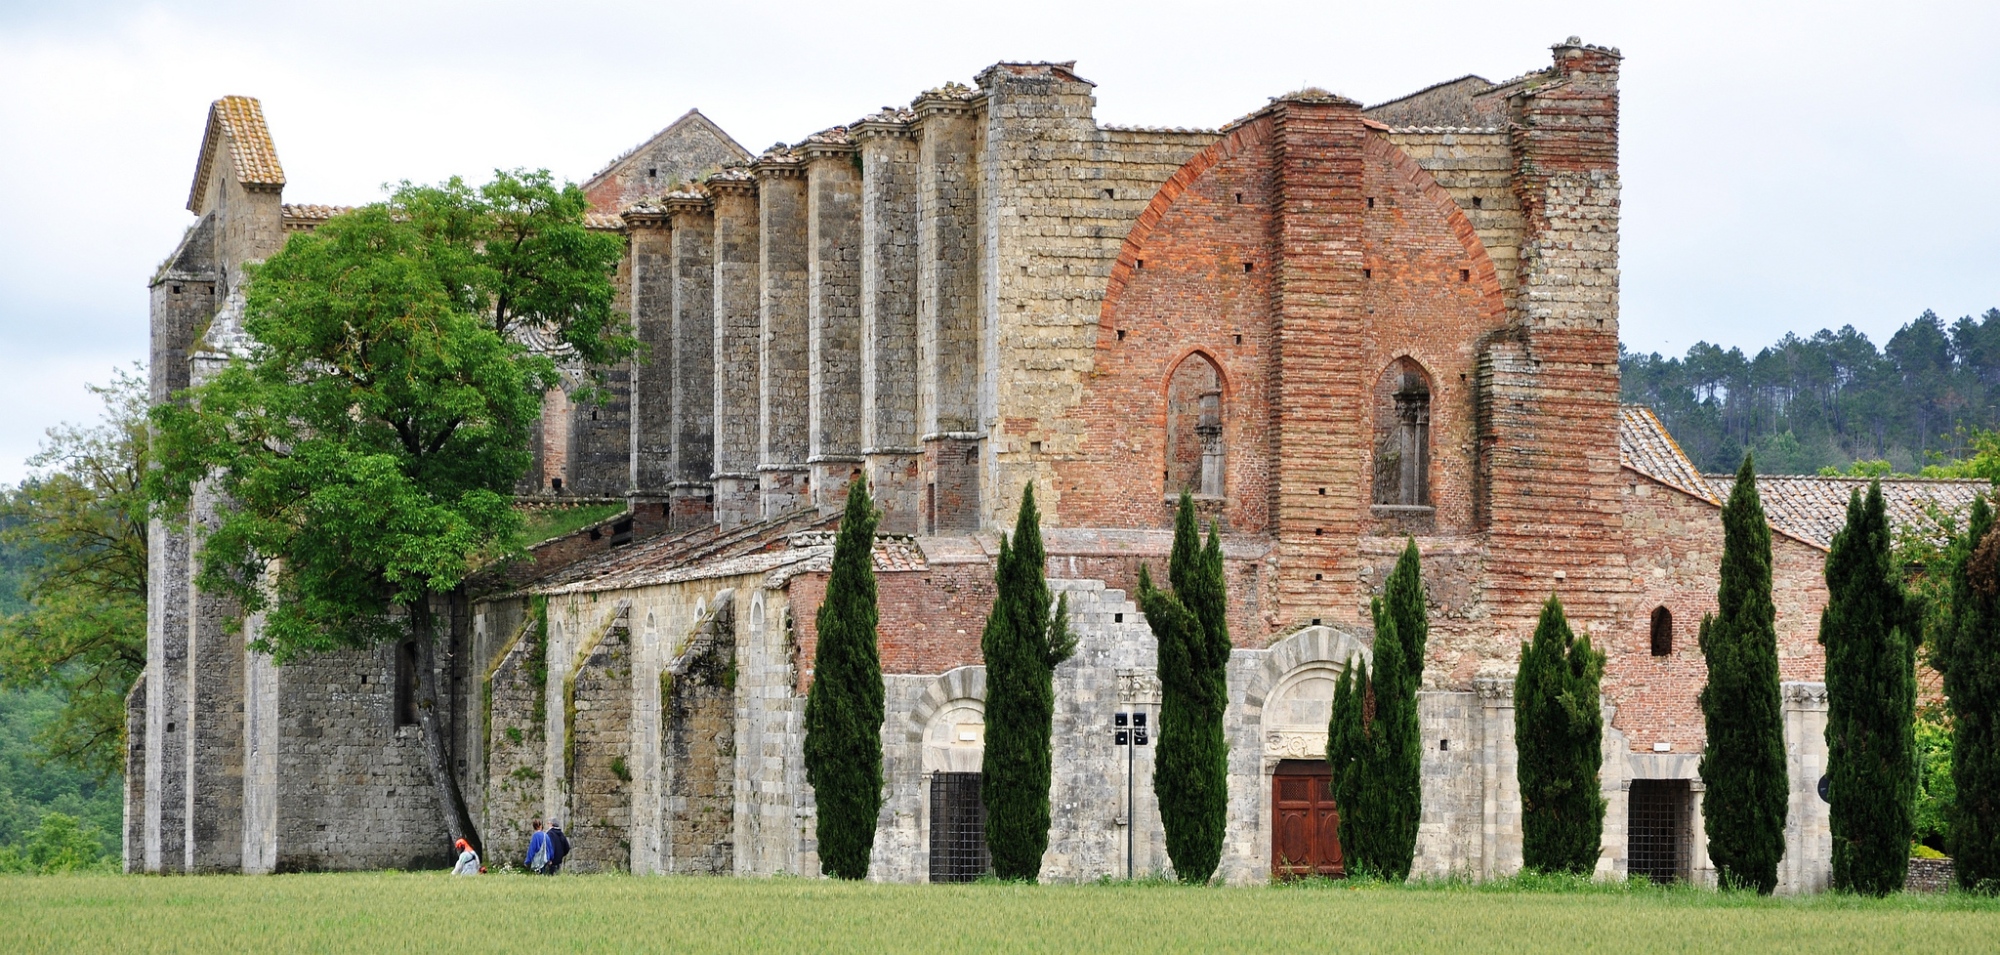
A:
(1871, 684)
(1191, 624)
(61, 843)
(1022, 644)
(1743, 765)
(1935, 790)
(844, 709)
(1373, 738)
(79, 528)
(1559, 733)
(1968, 655)
(369, 439)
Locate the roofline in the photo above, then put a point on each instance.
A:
(1439, 85)
(670, 127)
(1775, 529)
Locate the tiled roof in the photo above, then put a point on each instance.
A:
(607, 221)
(312, 211)
(705, 552)
(1645, 446)
(1813, 508)
(240, 121)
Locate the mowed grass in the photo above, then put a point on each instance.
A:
(392, 912)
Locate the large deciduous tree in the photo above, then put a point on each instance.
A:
(1743, 765)
(1967, 653)
(79, 526)
(844, 709)
(1871, 689)
(1373, 736)
(1559, 735)
(1023, 642)
(368, 439)
(1191, 625)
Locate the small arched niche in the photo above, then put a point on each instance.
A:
(1663, 632)
(1194, 428)
(1403, 435)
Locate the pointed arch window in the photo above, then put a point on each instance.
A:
(1195, 460)
(1403, 436)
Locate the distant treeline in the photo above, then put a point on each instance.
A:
(1829, 400)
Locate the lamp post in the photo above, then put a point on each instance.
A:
(1129, 731)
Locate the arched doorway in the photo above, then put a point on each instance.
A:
(1305, 823)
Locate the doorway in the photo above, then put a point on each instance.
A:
(1305, 824)
(1657, 830)
(958, 828)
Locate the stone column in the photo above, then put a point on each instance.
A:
(1500, 830)
(784, 304)
(833, 241)
(889, 225)
(692, 493)
(738, 359)
(948, 306)
(648, 228)
(1808, 862)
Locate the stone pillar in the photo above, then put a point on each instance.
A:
(833, 241)
(948, 307)
(1500, 830)
(1808, 862)
(214, 718)
(648, 229)
(692, 492)
(889, 225)
(784, 303)
(738, 360)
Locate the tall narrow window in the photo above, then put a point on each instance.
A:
(1195, 460)
(406, 683)
(1663, 632)
(1403, 436)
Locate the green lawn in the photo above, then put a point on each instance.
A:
(434, 912)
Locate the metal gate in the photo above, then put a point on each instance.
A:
(1658, 831)
(958, 828)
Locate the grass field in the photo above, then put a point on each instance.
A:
(433, 912)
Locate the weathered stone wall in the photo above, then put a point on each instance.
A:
(598, 696)
(689, 148)
(599, 456)
(699, 749)
(775, 815)
(833, 326)
(889, 372)
(133, 827)
(515, 756)
(653, 419)
(738, 350)
(784, 303)
(694, 367)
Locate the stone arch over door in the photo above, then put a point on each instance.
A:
(952, 708)
(1287, 700)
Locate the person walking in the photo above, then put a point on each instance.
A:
(468, 860)
(538, 850)
(558, 848)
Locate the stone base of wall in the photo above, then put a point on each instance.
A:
(738, 500)
(1930, 875)
(783, 490)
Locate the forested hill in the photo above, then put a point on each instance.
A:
(1831, 399)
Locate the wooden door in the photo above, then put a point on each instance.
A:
(1305, 824)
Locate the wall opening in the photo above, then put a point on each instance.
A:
(406, 683)
(1403, 435)
(1194, 429)
(958, 828)
(1658, 830)
(1305, 824)
(1663, 632)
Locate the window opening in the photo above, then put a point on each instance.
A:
(1194, 429)
(1403, 436)
(406, 683)
(1663, 632)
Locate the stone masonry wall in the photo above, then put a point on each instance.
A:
(784, 303)
(889, 371)
(653, 422)
(598, 747)
(738, 351)
(514, 749)
(833, 241)
(698, 750)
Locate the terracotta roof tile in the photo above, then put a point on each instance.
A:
(1813, 508)
(1645, 446)
(238, 121)
(606, 221)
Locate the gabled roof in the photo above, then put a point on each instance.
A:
(1645, 446)
(1813, 508)
(238, 120)
(691, 117)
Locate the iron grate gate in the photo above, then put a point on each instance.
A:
(958, 828)
(1657, 829)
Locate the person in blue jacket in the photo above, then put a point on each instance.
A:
(538, 850)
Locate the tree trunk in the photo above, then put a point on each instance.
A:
(437, 751)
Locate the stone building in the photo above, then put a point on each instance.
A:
(1339, 327)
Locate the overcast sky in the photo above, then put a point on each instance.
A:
(1787, 167)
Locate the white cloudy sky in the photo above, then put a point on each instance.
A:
(1787, 166)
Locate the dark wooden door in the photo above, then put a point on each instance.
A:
(1305, 824)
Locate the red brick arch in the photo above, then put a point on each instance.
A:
(1379, 148)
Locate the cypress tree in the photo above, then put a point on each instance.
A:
(1871, 689)
(1968, 654)
(1191, 773)
(1743, 764)
(1373, 738)
(1559, 734)
(1022, 643)
(844, 708)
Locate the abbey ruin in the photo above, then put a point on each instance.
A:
(1337, 326)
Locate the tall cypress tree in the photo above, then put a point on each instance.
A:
(1191, 775)
(1377, 756)
(1871, 689)
(1559, 734)
(1968, 654)
(1022, 643)
(1743, 765)
(844, 708)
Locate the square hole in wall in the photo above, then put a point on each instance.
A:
(1315, 621)
(652, 174)
(1367, 273)
(1444, 745)
(1319, 576)
(1121, 334)
(1110, 193)
(1249, 266)
(1465, 275)
(1371, 202)
(1117, 618)
(1475, 202)
(1239, 339)
(1034, 447)
(1239, 198)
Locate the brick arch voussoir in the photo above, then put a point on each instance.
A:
(1222, 375)
(1487, 279)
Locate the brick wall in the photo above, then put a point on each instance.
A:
(930, 620)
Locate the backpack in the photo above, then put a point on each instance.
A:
(541, 858)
